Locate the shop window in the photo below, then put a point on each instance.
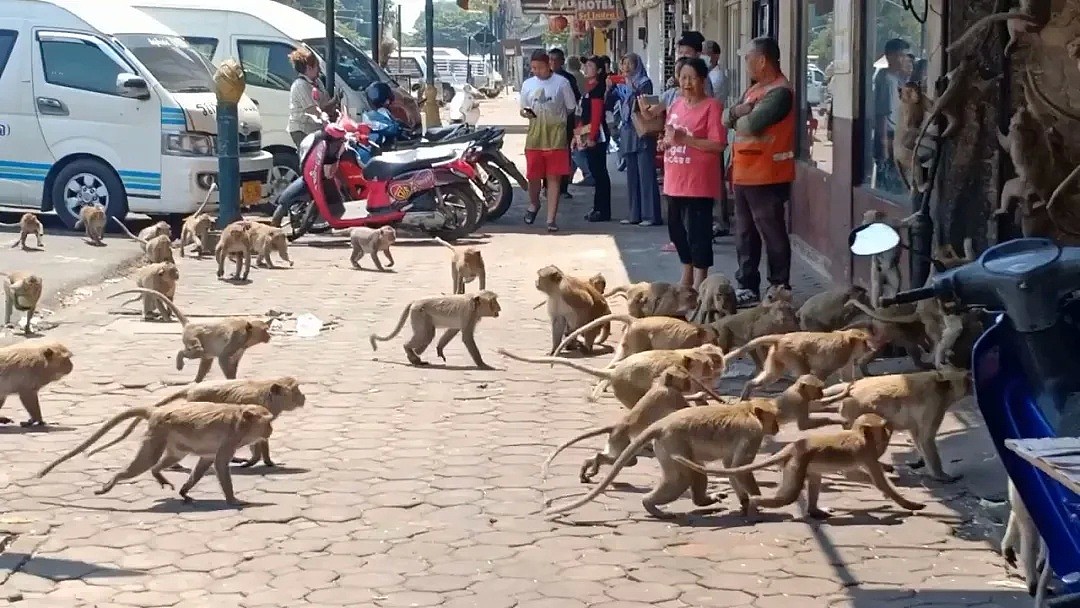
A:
(895, 54)
(814, 98)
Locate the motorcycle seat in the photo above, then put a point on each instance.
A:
(380, 169)
(437, 133)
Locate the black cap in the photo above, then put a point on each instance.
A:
(691, 39)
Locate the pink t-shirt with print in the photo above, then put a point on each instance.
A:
(690, 171)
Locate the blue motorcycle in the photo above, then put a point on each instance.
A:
(1026, 372)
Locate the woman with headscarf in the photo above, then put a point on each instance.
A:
(639, 151)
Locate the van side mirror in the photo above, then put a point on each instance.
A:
(132, 86)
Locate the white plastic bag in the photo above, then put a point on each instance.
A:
(308, 325)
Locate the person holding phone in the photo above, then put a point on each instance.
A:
(307, 95)
(593, 136)
(547, 100)
(639, 151)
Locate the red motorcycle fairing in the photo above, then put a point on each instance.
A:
(313, 168)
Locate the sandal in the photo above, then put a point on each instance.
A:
(551, 227)
(595, 216)
(530, 215)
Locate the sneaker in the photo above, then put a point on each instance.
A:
(628, 222)
(648, 223)
(746, 297)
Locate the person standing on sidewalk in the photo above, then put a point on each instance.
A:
(557, 59)
(763, 168)
(547, 101)
(694, 140)
(573, 67)
(718, 77)
(639, 151)
(592, 137)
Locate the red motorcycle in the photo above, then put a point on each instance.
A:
(429, 196)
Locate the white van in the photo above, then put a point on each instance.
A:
(261, 34)
(99, 103)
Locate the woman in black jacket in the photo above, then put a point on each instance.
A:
(592, 136)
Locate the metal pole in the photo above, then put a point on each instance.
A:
(468, 60)
(431, 107)
(331, 49)
(491, 47)
(229, 84)
(376, 33)
(400, 40)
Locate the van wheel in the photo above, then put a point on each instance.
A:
(87, 182)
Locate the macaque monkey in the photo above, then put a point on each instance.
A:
(657, 299)
(22, 292)
(28, 224)
(1028, 147)
(466, 266)
(765, 319)
(26, 368)
(92, 219)
(633, 376)
(211, 431)
(236, 243)
(160, 278)
(827, 310)
(908, 335)
(571, 303)
(370, 241)
(156, 240)
(806, 352)
(731, 433)
(1031, 18)
(885, 267)
(648, 333)
(457, 313)
(806, 459)
(716, 298)
(266, 239)
(197, 226)
(1022, 539)
(226, 340)
(914, 402)
(913, 107)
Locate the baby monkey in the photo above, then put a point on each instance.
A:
(22, 291)
(92, 218)
(370, 241)
(28, 224)
(457, 314)
(806, 459)
(26, 368)
(466, 266)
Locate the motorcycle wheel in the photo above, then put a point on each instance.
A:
(460, 201)
(498, 185)
(300, 216)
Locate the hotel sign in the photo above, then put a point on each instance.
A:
(597, 10)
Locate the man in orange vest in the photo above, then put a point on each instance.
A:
(763, 168)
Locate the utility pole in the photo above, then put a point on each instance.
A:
(376, 32)
(491, 47)
(431, 107)
(331, 49)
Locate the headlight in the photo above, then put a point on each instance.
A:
(188, 144)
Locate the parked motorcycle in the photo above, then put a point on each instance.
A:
(464, 108)
(1025, 373)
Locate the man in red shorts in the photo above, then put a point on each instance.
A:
(547, 100)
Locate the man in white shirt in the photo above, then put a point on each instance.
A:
(718, 76)
(547, 100)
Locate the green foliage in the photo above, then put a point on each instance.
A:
(352, 17)
(453, 26)
(894, 21)
(560, 40)
(821, 40)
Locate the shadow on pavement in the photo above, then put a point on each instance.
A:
(62, 569)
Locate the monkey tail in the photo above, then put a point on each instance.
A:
(752, 345)
(444, 243)
(597, 373)
(655, 430)
(125, 229)
(140, 412)
(843, 393)
(581, 437)
(168, 303)
(873, 314)
(704, 386)
(617, 291)
(400, 324)
(777, 458)
(79, 224)
(206, 199)
(977, 27)
(134, 423)
(627, 319)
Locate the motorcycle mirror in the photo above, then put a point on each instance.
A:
(872, 239)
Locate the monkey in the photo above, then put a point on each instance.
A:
(211, 431)
(1031, 18)
(147, 236)
(370, 241)
(1028, 145)
(235, 243)
(885, 267)
(197, 226)
(657, 299)
(266, 239)
(160, 278)
(227, 339)
(275, 394)
(571, 303)
(466, 266)
(599, 283)
(911, 336)
(22, 292)
(731, 433)
(806, 352)
(28, 224)
(828, 311)
(26, 368)
(806, 459)
(92, 219)
(1022, 535)
(663, 397)
(765, 319)
(794, 402)
(716, 298)
(913, 402)
(648, 333)
(632, 377)
(456, 313)
(913, 107)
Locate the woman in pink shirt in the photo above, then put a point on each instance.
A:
(694, 140)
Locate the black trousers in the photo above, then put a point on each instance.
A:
(596, 157)
(760, 216)
(690, 229)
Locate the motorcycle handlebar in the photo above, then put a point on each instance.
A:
(911, 295)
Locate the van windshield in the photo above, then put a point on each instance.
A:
(173, 62)
(353, 66)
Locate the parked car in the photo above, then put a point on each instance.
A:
(815, 85)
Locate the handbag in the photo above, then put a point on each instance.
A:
(647, 126)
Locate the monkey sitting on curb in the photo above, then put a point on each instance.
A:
(211, 431)
(466, 266)
(92, 219)
(28, 224)
(370, 241)
(26, 368)
(457, 314)
(22, 292)
(806, 459)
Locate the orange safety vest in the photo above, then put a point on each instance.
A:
(767, 158)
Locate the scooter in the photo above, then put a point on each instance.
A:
(1026, 374)
(464, 107)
